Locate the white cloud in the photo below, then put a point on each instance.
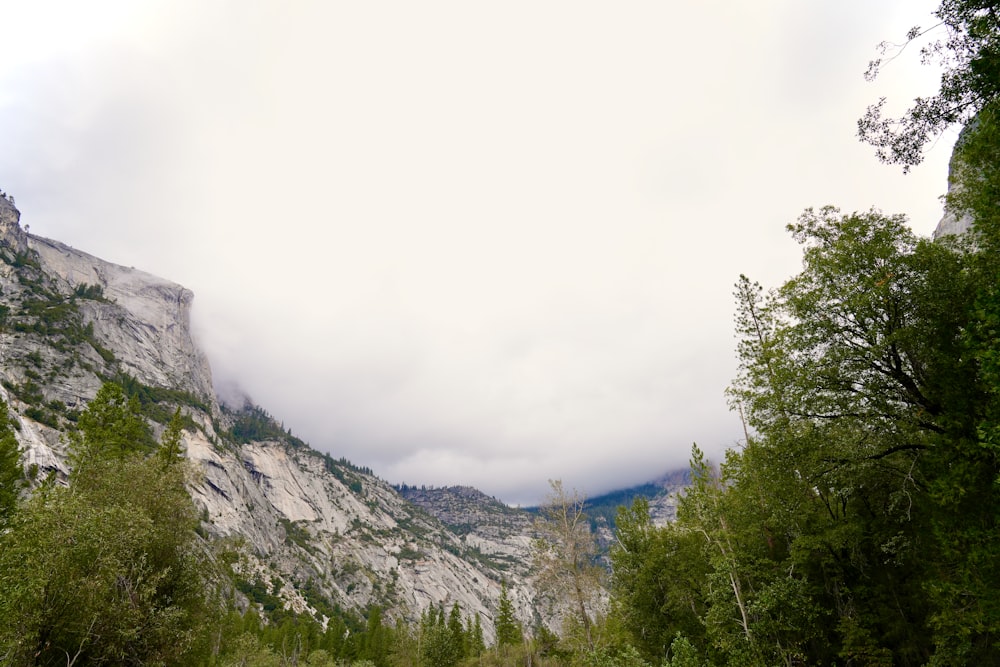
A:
(460, 243)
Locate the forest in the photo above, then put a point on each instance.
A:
(857, 523)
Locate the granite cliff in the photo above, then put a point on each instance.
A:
(315, 530)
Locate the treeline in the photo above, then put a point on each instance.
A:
(858, 525)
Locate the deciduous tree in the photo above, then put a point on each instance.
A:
(566, 556)
(966, 44)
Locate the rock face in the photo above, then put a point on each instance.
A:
(145, 320)
(663, 506)
(10, 231)
(317, 530)
(952, 223)
(499, 534)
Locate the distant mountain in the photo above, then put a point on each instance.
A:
(661, 493)
(500, 534)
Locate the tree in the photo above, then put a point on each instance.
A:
(858, 522)
(474, 637)
(377, 639)
(969, 52)
(11, 474)
(565, 556)
(170, 450)
(507, 628)
(658, 580)
(109, 569)
(868, 469)
(438, 647)
(457, 631)
(111, 426)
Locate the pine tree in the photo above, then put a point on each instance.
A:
(474, 637)
(170, 450)
(110, 427)
(456, 631)
(507, 627)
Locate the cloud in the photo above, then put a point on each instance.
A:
(460, 243)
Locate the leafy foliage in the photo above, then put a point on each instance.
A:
(11, 475)
(858, 522)
(107, 570)
(969, 53)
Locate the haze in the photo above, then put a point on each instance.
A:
(461, 242)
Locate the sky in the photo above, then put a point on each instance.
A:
(461, 242)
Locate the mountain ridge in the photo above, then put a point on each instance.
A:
(323, 531)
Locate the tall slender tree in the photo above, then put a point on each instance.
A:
(566, 557)
(507, 627)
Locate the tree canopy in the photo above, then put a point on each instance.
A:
(965, 42)
(107, 570)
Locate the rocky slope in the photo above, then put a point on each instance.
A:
(499, 534)
(319, 533)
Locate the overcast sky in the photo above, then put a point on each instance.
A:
(485, 243)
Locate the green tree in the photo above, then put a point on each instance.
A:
(967, 48)
(868, 470)
(111, 575)
(475, 644)
(682, 654)
(438, 647)
(658, 580)
(111, 426)
(858, 521)
(109, 569)
(11, 474)
(377, 640)
(507, 627)
(457, 631)
(170, 450)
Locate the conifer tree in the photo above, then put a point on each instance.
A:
(507, 628)
(110, 427)
(170, 451)
(474, 637)
(457, 631)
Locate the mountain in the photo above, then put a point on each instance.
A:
(312, 533)
(662, 494)
(318, 533)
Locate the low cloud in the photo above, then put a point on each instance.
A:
(459, 244)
